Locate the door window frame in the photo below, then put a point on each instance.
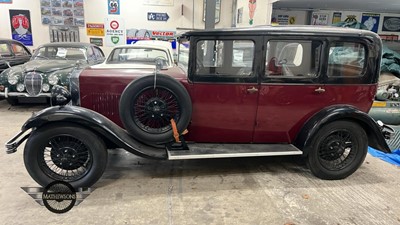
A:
(257, 58)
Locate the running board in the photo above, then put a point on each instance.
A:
(210, 151)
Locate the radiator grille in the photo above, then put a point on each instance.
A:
(105, 103)
(33, 83)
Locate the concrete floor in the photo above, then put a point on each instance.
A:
(133, 190)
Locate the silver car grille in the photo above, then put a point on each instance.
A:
(33, 83)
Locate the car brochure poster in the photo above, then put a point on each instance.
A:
(62, 12)
(21, 29)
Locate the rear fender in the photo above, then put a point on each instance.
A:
(97, 123)
(341, 112)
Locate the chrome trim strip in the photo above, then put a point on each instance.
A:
(7, 94)
(229, 155)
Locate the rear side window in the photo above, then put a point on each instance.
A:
(19, 50)
(5, 50)
(225, 58)
(292, 58)
(346, 59)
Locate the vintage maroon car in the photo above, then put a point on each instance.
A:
(240, 92)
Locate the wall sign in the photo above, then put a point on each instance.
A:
(371, 21)
(319, 19)
(95, 29)
(21, 29)
(113, 7)
(115, 31)
(337, 17)
(154, 16)
(391, 24)
(6, 1)
(97, 41)
(62, 12)
(283, 19)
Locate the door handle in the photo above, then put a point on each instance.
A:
(319, 90)
(252, 90)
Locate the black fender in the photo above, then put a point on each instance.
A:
(341, 112)
(97, 123)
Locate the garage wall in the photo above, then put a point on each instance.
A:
(183, 15)
(301, 17)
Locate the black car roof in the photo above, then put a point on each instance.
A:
(290, 29)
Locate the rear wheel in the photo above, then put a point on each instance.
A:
(337, 150)
(68, 153)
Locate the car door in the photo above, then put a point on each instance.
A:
(224, 88)
(291, 89)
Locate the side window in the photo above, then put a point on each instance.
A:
(90, 54)
(346, 59)
(99, 54)
(19, 50)
(225, 58)
(292, 58)
(5, 50)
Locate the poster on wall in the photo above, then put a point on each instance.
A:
(113, 7)
(337, 17)
(21, 29)
(134, 34)
(62, 12)
(391, 24)
(283, 19)
(371, 21)
(6, 1)
(351, 17)
(115, 31)
(319, 19)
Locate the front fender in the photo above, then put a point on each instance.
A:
(341, 112)
(96, 122)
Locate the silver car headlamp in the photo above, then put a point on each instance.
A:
(20, 87)
(53, 79)
(45, 87)
(13, 79)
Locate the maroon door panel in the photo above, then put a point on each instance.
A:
(223, 112)
(283, 108)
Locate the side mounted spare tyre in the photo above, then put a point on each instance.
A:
(149, 103)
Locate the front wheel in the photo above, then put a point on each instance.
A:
(65, 152)
(337, 150)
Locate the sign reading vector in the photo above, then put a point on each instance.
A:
(115, 32)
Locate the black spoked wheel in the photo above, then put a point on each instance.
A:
(338, 149)
(65, 152)
(149, 103)
(65, 158)
(154, 108)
